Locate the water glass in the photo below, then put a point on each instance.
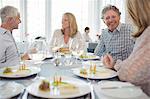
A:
(68, 60)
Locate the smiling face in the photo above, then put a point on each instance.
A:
(65, 22)
(111, 19)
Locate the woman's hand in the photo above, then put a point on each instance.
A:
(108, 61)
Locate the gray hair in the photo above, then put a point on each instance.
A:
(110, 7)
(8, 11)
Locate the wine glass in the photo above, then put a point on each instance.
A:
(54, 47)
(38, 50)
(76, 51)
(68, 61)
(57, 59)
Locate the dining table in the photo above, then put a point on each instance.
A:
(49, 68)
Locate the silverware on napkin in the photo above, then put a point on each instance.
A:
(118, 87)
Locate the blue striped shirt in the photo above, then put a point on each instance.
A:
(118, 43)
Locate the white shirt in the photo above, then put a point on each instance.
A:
(9, 55)
(58, 40)
(87, 37)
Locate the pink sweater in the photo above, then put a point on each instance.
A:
(136, 68)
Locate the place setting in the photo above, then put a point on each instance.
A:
(118, 90)
(9, 89)
(88, 56)
(18, 71)
(58, 87)
(94, 72)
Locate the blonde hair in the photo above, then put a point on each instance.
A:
(72, 24)
(140, 14)
(8, 11)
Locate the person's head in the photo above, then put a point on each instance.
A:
(111, 17)
(140, 14)
(10, 17)
(69, 22)
(87, 30)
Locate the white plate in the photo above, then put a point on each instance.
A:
(89, 63)
(15, 74)
(69, 66)
(101, 73)
(32, 62)
(37, 56)
(10, 89)
(90, 56)
(82, 89)
(117, 89)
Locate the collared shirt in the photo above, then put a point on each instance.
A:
(58, 40)
(9, 55)
(118, 43)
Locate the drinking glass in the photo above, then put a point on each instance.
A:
(68, 59)
(38, 50)
(57, 59)
(76, 51)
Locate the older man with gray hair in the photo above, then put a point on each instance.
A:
(115, 40)
(10, 18)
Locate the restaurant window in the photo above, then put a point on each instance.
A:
(42, 17)
(78, 7)
(35, 18)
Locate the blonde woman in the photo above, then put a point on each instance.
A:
(136, 68)
(68, 36)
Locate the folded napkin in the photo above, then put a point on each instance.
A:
(118, 90)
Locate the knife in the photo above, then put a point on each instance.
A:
(117, 87)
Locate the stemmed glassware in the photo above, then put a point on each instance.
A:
(54, 46)
(76, 51)
(38, 50)
(57, 58)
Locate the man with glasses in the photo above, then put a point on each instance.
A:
(116, 39)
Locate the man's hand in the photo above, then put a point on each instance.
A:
(25, 57)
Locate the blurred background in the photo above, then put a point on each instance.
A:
(42, 17)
